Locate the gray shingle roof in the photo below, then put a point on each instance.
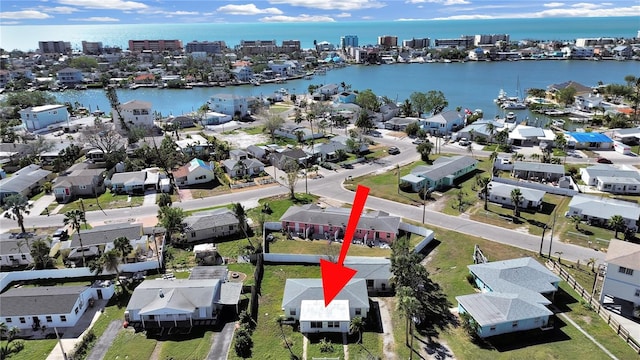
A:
(495, 308)
(45, 300)
(211, 219)
(504, 190)
(601, 170)
(604, 208)
(106, 234)
(179, 295)
(23, 179)
(296, 290)
(538, 167)
(443, 167)
(129, 177)
(313, 214)
(369, 267)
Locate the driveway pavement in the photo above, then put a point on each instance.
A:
(222, 342)
(104, 342)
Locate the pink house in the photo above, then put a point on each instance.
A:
(313, 222)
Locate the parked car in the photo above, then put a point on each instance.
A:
(602, 160)
(374, 133)
(393, 150)
(418, 141)
(464, 142)
(60, 234)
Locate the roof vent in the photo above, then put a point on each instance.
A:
(161, 293)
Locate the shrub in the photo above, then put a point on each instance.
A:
(326, 346)
(471, 279)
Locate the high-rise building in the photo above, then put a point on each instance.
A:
(388, 41)
(348, 41)
(289, 46)
(417, 43)
(61, 47)
(155, 45)
(209, 47)
(91, 47)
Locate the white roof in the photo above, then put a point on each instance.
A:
(314, 310)
(46, 108)
(136, 104)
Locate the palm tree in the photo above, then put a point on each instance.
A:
(516, 199)
(534, 156)
(575, 219)
(491, 129)
(76, 218)
(357, 326)
(111, 262)
(409, 306)
(123, 245)
(240, 169)
(425, 150)
(492, 157)
(470, 150)
(241, 216)
(17, 206)
(592, 262)
(617, 223)
(484, 183)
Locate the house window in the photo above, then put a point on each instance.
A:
(292, 312)
(76, 311)
(49, 318)
(230, 227)
(369, 283)
(63, 318)
(333, 324)
(23, 256)
(8, 320)
(316, 324)
(625, 270)
(11, 258)
(83, 187)
(22, 320)
(151, 317)
(493, 328)
(514, 324)
(193, 234)
(637, 292)
(358, 311)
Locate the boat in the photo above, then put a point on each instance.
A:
(254, 82)
(558, 123)
(513, 105)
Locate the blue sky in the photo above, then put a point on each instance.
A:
(54, 12)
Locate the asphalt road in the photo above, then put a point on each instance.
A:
(327, 187)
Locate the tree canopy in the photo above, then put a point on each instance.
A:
(367, 100)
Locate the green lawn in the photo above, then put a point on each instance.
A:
(194, 346)
(108, 200)
(254, 130)
(313, 348)
(130, 345)
(33, 349)
(323, 247)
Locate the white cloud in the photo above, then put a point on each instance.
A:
(586, 5)
(443, 2)
(343, 15)
(247, 9)
(106, 4)
(590, 10)
(97, 19)
(58, 9)
(168, 13)
(299, 18)
(343, 5)
(11, 22)
(24, 14)
(553, 4)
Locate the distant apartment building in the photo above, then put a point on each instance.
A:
(595, 41)
(289, 46)
(348, 41)
(463, 41)
(229, 104)
(155, 45)
(61, 47)
(256, 47)
(388, 41)
(209, 47)
(92, 47)
(480, 40)
(419, 43)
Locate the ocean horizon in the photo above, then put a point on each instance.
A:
(26, 38)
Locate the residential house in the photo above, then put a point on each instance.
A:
(40, 117)
(134, 113)
(360, 146)
(481, 128)
(537, 171)
(208, 225)
(258, 152)
(26, 181)
(622, 51)
(7, 76)
(195, 172)
(32, 308)
(622, 278)
(215, 118)
(291, 131)
(501, 193)
(326, 151)
(11, 153)
(240, 165)
(134, 182)
(626, 136)
(79, 183)
(589, 140)
(312, 221)
(443, 123)
(229, 104)
(589, 102)
(179, 303)
(194, 145)
(69, 76)
(599, 210)
(243, 73)
(375, 271)
(15, 254)
(346, 97)
(523, 135)
(281, 159)
(303, 301)
(514, 295)
(612, 179)
(553, 89)
(325, 92)
(399, 123)
(181, 121)
(443, 173)
(386, 112)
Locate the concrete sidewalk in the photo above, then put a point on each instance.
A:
(41, 204)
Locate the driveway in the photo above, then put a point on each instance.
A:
(222, 342)
(104, 342)
(149, 198)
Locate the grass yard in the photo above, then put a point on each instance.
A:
(314, 349)
(130, 345)
(279, 108)
(324, 247)
(33, 349)
(254, 130)
(194, 346)
(108, 200)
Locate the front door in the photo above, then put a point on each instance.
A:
(99, 294)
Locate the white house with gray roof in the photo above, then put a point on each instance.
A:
(443, 123)
(501, 193)
(25, 181)
(443, 173)
(374, 270)
(613, 179)
(208, 225)
(514, 296)
(537, 171)
(49, 306)
(303, 301)
(599, 210)
(523, 135)
(622, 279)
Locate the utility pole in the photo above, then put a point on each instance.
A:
(424, 200)
(552, 228)
(542, 239)
(64, 354)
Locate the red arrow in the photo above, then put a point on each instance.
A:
(334, 275)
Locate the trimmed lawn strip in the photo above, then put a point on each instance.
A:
(130, 345)
(324, 247)
(313, 348)
(33, 349)
(108, 200)
(194, 346)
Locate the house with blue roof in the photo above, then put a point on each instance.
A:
(514, 296)
(195, 172)
(589, 140)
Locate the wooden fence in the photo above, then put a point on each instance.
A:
(597, 307)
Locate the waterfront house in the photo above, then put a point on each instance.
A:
(523, 135)
(612, 179)
(134, 113)
(399, 123)
(443, 123)
(242, 73)
(46, 307)
(325, 92)
(580, 89)
(599, 210)
(514, 296)
(537, 171)
(303, 301)
(180, 121)
(40, 117)
(69, 76)
(313, 222)
(326, 151)
(622, 278)
(79, 183)
(7, 76)
(589, 140)
(26, 181)
(346, 97)
(195, 172)
(229, 104)
(443, 173)
(210, 225)
(622, 51)
(386, 112)
(481, 128)
(501, 194)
